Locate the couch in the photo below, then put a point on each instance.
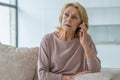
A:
(21, 64)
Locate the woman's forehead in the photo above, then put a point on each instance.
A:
(72, 10)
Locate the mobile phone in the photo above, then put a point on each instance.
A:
(78, 28)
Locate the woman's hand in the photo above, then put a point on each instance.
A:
(67, 77)
(83, 34)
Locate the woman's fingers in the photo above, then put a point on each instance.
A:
(83, 27)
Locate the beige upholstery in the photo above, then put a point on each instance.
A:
(17, 63)
(100, 76)
(105, 74)
(21, 64)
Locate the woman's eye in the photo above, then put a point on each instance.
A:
(74, 17)
(66, 14)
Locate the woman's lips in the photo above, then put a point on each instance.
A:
(68, 25)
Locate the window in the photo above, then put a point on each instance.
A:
(8, 22)
(13, 2)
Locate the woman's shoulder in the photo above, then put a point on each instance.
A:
(48, 36)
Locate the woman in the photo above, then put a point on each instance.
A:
(69, 51)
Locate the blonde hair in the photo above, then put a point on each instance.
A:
(81, 10)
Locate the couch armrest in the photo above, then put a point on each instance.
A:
(105, 74)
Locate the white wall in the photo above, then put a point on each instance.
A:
(31, 22)
(109, 55)
(38, 17)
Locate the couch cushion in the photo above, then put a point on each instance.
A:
(17, 63)
(106, 74)
(35, 75)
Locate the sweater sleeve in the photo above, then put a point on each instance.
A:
(94, 64)
(44, 63)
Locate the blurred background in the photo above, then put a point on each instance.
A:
(24, 22)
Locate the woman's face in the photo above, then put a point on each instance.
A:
(70, 19)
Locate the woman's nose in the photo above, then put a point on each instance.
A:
(69, 18)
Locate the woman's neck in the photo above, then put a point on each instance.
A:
(65, 35)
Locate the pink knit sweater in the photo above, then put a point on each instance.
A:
(57, 58)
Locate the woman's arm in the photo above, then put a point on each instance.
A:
(93, 63)
(44, 63)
